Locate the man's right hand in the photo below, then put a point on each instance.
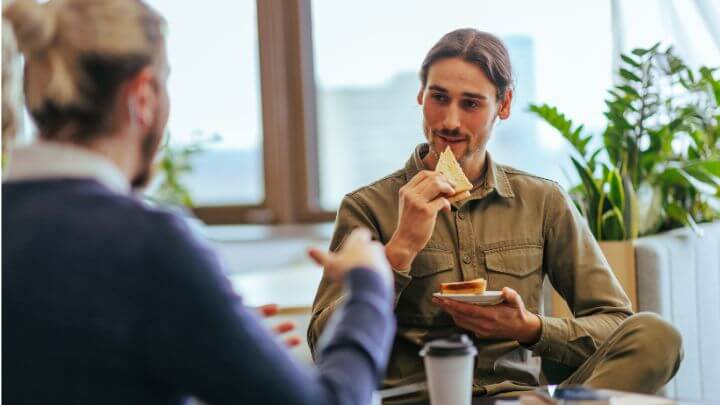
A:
(420, 201)
(358, 250)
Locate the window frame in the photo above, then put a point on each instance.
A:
(289, 145)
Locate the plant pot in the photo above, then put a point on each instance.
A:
(621, 258)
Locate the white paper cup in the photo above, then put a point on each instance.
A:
(449, 369)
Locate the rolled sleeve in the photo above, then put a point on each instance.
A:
(553, 339)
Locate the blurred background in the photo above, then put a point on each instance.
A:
(292, 104)
(306, 101)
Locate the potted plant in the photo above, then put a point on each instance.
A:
(173, 162)
(656, 166)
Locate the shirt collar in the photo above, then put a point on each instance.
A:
(52, 160)
(496, 178)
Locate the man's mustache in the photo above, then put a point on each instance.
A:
(449, 133)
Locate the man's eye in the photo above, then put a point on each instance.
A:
(439, 97)
(470, 104)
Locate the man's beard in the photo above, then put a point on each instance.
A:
(432, 135)
(148, 148)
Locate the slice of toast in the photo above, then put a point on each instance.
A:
(476, 286)
(448, 166)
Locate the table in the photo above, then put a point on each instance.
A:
(617, 398)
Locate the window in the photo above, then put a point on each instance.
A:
(311, 104)
(366, 70)
(215, 89)
(688, 26)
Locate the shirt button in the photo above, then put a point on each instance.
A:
(467, 259)
(461, 215)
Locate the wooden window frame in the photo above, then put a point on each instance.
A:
(289, 122)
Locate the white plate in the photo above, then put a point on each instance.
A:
(489, 298)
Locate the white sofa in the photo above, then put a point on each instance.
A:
(678, 277)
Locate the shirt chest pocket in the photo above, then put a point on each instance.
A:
(519, 268)
(432, 264)
(430, 268)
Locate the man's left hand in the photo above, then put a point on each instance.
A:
(507, 320)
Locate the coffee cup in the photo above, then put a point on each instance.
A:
(449, 364)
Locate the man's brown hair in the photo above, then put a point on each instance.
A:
(480, 48)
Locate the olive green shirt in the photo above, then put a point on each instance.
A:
(513, 230)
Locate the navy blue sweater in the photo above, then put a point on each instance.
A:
(107, 301)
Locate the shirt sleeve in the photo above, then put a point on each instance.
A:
(198, 338)
(351, 214)
(577, 269)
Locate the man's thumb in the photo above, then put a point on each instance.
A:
(320, 257)
(511, 297)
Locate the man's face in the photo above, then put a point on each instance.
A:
(154, 136)
(459, 108)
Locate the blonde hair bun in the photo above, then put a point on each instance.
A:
(68, 43)
(34, 24)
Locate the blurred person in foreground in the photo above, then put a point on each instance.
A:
(107, 301)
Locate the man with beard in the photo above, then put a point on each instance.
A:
(108, 301)
(513, 230)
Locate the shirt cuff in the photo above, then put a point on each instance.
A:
(402, 279)
(553, 339)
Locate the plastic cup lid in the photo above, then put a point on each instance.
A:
(455, 345)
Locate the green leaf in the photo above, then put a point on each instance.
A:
(709, 183)
(630, 61)
(594, 155)
(710, 166)
(612, 225)
(640, 51)
(673, 177)
(619, 120)
(587, 179)
(617, 193)
(593, 195)
(692, 181)
(631, 209)
(615, 97)
(707, 76)
(579, 205)
(679, 214)
(556, 119)
(613, 141)
(628, 75)
(629, 90)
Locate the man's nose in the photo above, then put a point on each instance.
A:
(452, 118)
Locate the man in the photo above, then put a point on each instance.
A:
(107, 301)
(513, 230)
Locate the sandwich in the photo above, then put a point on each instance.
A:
(476, 286)
(448, 166)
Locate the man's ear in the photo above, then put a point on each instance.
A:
(142, 98)
(420, 95)
(504, 110)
